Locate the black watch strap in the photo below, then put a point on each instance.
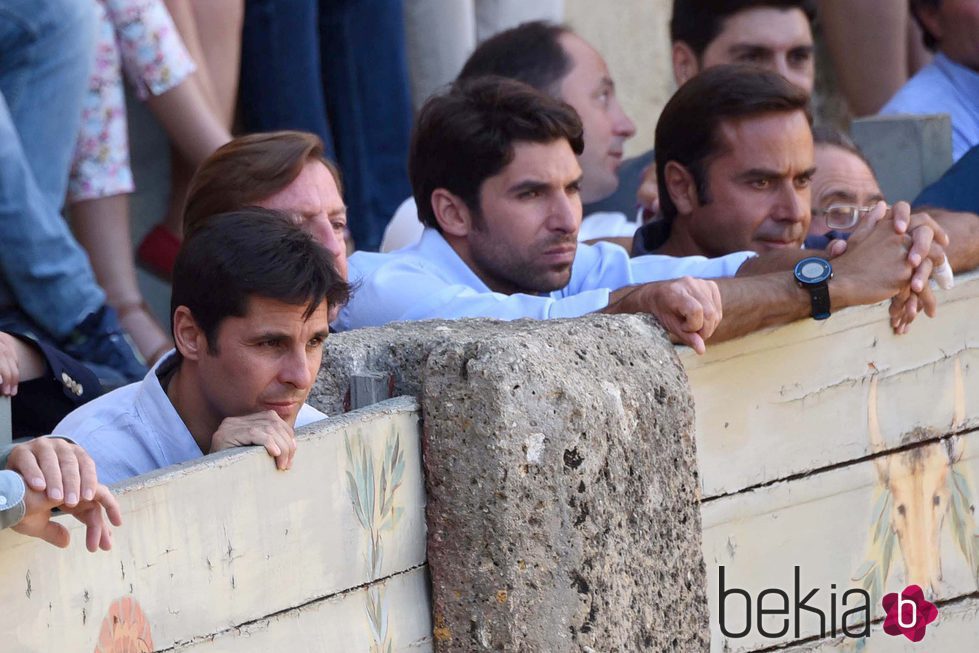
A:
(820, 301)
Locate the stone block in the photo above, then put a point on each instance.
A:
(561, 477)
(906, 152)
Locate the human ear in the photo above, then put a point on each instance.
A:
(681, 187)
(451, 213)
(930, 20)
(685, 63)
(187, 335)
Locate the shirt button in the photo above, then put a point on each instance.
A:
(3, 500)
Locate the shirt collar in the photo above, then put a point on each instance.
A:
(960, 75)
(433, 245)
(158, 413)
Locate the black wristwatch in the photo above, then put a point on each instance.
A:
(813, 274)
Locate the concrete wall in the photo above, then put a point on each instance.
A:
(559, 503)
(561, 479)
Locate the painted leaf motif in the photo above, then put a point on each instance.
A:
(887, 555)
(883, 516)
(383, 605)
(391, 522)
(373, 616)
(385, 499)
(960, 528)
(975, 549)
(369, 489)
(864, 569)
(354, 493)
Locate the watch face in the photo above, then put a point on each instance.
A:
(813, 270)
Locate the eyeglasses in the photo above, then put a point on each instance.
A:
(843, 216)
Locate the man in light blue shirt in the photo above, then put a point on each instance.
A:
(950, 83)
(494, 174)
(251, 298)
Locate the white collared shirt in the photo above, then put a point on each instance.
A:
(429, 280)
(135, 429)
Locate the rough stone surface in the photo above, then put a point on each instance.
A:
(561, 472)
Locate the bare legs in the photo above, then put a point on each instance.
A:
(198, 118)
(101, 226)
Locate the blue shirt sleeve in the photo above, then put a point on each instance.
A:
(12, 490)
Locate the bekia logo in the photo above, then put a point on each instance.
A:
(907, 613)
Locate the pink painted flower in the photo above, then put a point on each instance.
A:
(125, 629)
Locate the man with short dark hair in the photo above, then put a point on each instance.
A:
(950, 83)
(771, 34)
(493, 168)
(734, 160)
(494, 172)
(556, 61)
(251, 298)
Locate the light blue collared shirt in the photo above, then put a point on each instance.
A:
(428, 280)
(943, 86)
(135, 429)
(12, 490)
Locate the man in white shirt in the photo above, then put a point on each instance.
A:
(555, 60)
(251, 297)
(494, 171)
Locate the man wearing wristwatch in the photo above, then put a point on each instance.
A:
(735, 159)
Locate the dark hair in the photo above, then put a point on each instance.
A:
(688, 128)
(927, 37)
(698, 22)
(466, 135)
(248, 169)
(252, 251)
(530, 53)
(827, 135)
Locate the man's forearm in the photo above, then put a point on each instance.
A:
(775, 261)
(759, 301)
(963, 236)
(766, 300)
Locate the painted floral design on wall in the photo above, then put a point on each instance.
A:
(125, 629)
(372, 485)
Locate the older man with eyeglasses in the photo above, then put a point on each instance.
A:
(845, 191)
(844, 188)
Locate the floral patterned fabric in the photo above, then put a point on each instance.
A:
(138, 37)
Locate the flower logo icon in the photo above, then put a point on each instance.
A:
(908, 613)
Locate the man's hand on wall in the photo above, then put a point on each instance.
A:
(60, 474)
(266, 429)
(37, 520)
(689, 309)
